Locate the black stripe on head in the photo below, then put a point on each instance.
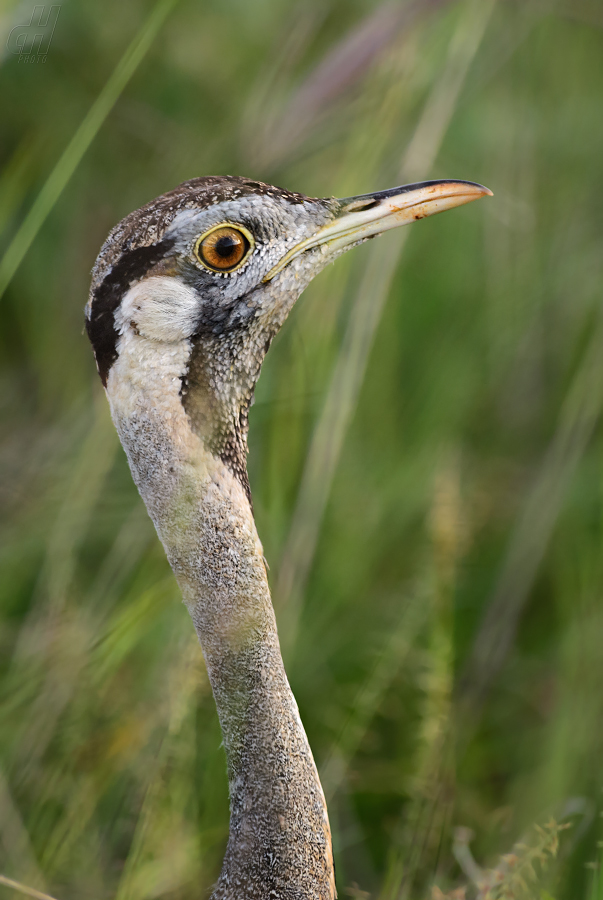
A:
(100, 324)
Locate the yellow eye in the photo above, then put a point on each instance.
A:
(224, 247)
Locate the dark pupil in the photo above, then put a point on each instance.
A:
(226, 246)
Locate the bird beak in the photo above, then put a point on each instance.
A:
(358, 218)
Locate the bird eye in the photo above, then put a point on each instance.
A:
(224, 248)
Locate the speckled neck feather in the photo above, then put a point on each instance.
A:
(179, 337)
(279, 844)
(184, 431)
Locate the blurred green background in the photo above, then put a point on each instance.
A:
(426, 447)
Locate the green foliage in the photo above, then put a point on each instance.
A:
(518, 875)
(425, 448)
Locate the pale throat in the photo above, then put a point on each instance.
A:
(190, 492)
(279, 830)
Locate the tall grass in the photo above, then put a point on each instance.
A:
(425, 452)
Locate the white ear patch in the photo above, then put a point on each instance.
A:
(159, 308)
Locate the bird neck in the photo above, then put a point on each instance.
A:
(279, 843)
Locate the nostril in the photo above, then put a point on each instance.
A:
(357, 205)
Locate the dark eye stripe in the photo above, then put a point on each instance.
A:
(100, 324)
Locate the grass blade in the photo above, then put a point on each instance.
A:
(81, 140)
(578, 419)
(23, 889)
(348, 374)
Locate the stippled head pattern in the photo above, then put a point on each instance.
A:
(159, 284)
(159, 239)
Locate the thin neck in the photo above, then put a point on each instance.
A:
(279, 843)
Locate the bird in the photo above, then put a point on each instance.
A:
(187, 294)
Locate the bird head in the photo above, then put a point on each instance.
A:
(211, 270)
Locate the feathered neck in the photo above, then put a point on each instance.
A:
(279, 844)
